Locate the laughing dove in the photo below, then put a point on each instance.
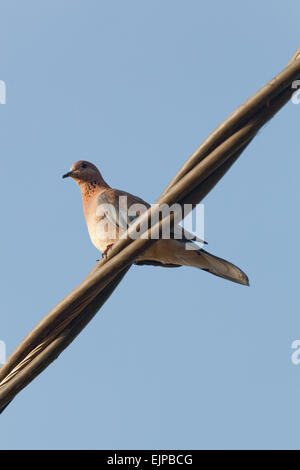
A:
(108, 217)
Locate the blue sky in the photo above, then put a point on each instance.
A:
(176, 358)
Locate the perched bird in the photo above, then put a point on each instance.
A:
(108, 216)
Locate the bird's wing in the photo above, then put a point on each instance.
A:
(190, 237)
(121, 208)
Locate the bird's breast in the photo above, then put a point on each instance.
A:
(102, 232)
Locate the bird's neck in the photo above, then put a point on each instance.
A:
(90, 188)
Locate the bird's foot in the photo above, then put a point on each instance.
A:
(104, 254)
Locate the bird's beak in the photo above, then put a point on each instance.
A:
(68, 175)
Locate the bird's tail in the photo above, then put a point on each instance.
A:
(214, 265)
(174, 253)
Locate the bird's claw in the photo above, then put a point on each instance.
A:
(104, 254)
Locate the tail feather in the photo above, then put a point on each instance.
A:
(217, 266)
(173, 253)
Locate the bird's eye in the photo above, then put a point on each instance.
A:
(84, 165)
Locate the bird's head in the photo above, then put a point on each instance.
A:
(84, 172)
